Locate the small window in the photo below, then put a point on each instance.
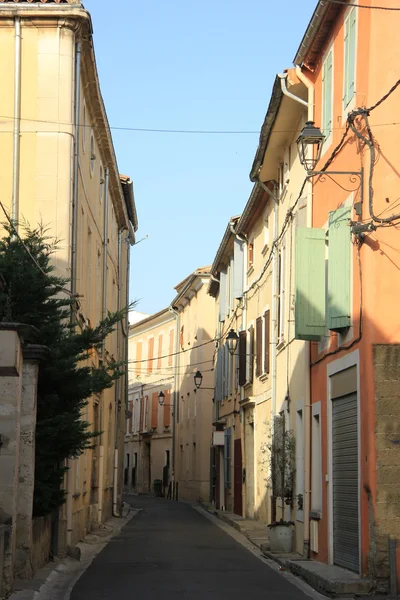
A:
(250, 254)
(92, 153)
(102, 183)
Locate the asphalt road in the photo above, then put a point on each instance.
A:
(170, 551)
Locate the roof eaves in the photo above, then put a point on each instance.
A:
(127, 188)
(248, 211)
(321, 21)
(222, 247)
(147, 319)
(266, 129)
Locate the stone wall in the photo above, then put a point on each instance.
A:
(41, 542)
(385, 510)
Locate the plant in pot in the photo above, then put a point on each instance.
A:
(283, 460)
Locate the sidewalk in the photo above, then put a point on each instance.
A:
(56, 580)
(329, 580)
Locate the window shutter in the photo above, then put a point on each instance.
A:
(141, 419)
(154, 410)
(130, 416)
(159, 355)
(238, 267)
(222, 296)
(251, 355)
(225, 370)
(227, 457)
(339, 269)
(352, 55)
(231, 284)
(167, 409)
(266, 340)
(218, 382)
(230, 358)
(242, 357)
(327, 79)
(150, 355)
(259, 346)
(309, 283)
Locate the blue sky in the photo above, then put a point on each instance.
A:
(181, 64)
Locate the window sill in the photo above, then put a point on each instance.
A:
(264, 377)
(265, 249)
(281, 344)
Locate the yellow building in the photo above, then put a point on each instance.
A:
(148, 438)
(193, 413)
(59, 168)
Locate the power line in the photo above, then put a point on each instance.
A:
(344, 3)
(173, 131)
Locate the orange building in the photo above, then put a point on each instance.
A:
(347, 294)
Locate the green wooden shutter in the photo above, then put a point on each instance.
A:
(222, 296)
(327, 79)
(349, 57)
(352, 54)
(339, 269)
(309, 283)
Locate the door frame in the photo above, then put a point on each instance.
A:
(341, 364)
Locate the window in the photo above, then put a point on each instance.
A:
(84, 127)
(259, 332)
(316, 467)
(102, 183)
(267, 340)
(281, 295)
(327, 86)
(138, 366)
(249, 354)
(167, 458)
(250, 254)
(92, 153)
(242, 357)
(171, 347)
(349, 58)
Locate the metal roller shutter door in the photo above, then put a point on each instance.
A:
(345, 482)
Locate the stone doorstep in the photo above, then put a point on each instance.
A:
(330, 580)
(255, 531)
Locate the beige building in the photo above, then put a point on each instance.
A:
(149, 427)
(285, 387)
(194, 406)
(59, 168)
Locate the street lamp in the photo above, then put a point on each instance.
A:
(310, 138)
(232, 340)
(161, 398)
(309, 147)
(198, 378)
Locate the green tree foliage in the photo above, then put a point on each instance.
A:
(36, 296)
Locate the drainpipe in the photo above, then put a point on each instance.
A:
(307, 407)
(103, 316)
(283, 77)
(17, 123)
(118, 382)
(176, 363)
(74, 239)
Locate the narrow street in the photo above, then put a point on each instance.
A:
(169, 550)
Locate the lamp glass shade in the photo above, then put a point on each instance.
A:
(198, 378)
(232, 340)
(161, 398)
(309, 145)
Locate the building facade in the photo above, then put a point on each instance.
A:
(194, 309)
(59, 169)
(148, 438)
(348, 56)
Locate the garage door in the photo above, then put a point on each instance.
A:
(345, 482)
